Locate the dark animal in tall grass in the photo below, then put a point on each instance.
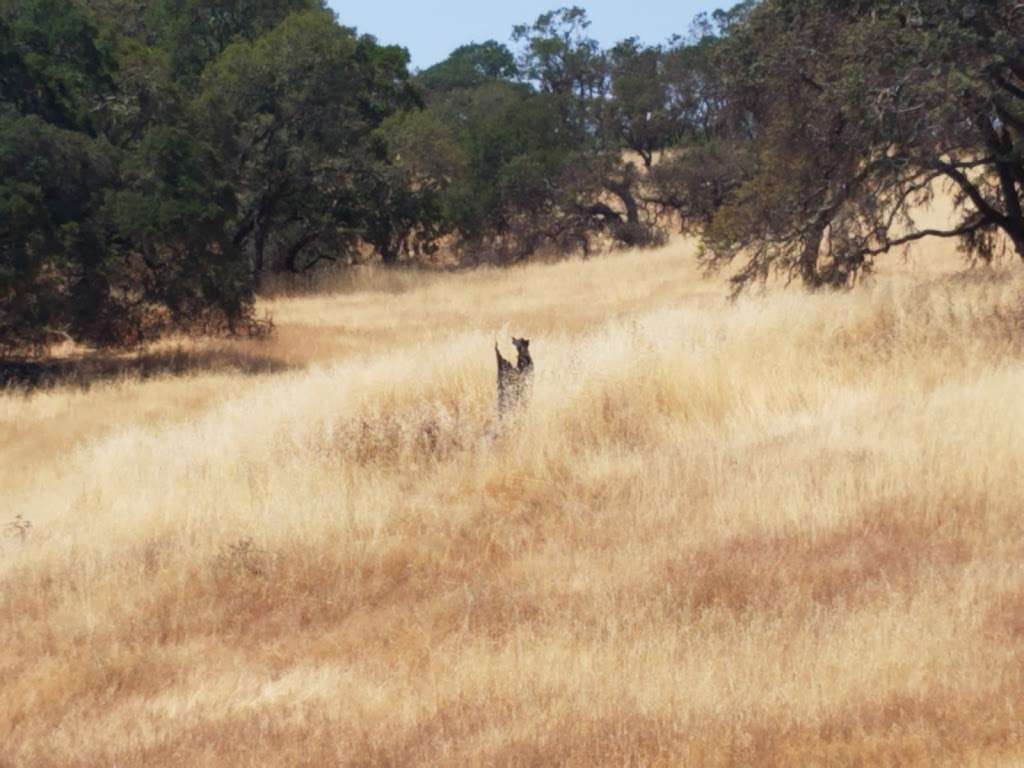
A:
(514, 380)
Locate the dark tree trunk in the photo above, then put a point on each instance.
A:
(632, 209)
(296, 249)
(256, 225)
(1014, 224)
(809, 256)
(1001, 143)
(259, 245)
(624, 191)
(389, 253)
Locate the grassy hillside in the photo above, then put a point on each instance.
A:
(781, 531)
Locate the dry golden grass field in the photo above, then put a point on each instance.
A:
(785, 531)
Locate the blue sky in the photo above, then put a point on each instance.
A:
(431, 29)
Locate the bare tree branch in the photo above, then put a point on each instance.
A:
(966, 229)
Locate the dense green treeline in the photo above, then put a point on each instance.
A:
(159, 158)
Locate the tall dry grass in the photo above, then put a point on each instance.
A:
(784, 531)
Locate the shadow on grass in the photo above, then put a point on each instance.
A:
(85, 370)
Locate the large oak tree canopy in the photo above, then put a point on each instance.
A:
(157, 158)
(858, 109)
(293, 115)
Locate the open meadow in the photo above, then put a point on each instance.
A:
(785, 530)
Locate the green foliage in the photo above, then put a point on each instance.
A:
(156, 158)
(563, 62)
(700, 179)
(502, 164)
(195, 32)
(53, 269)
(470, 66)
(514, 167)
(641, 108)
(52, 62)
(294, 114)
(173, 209)
(855, 111)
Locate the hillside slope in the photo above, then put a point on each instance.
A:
(781, 531)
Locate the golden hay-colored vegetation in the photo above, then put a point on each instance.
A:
(781, 531)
